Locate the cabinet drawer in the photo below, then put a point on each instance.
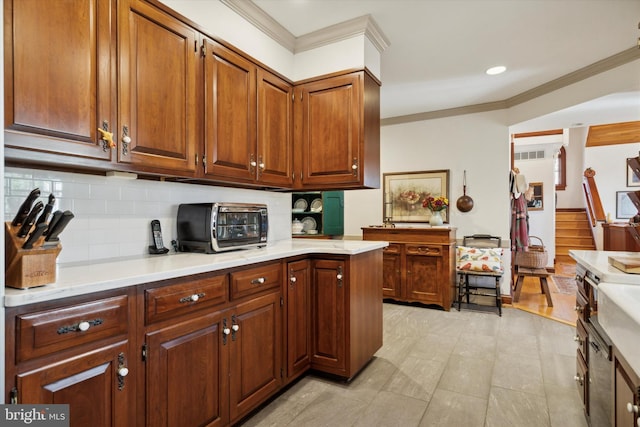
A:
(58, 329)
(582, 339)
(582, 380)
(393, 248)
(424, 250)
(582, 307)
(254, 280)
(184, 297)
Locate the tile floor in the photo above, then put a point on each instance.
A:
(440, 368)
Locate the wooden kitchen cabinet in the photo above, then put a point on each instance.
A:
(255, 358)
(346, 312)
(248, 120)
(78, 353)
(298, 319)
(203, 349)
(158, 104)
(419, 264)
(338, 132)
(619, 237)
(199, 348)
(60, 80)
(626, 389)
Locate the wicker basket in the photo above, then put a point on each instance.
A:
(536, 257)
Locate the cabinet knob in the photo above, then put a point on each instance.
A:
(235, 328)
(226, 331)
(293, 279)
(253, 163)
(577, 339)
(195, 297)
(631, 408)
(578, 309)
(83, 326)
(122, 370)
(258, 281)
(339, 276)
(579, 379)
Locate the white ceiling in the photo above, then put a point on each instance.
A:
(440, 49)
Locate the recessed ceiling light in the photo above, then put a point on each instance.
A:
(496, 70)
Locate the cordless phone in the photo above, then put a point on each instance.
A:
(156, 234)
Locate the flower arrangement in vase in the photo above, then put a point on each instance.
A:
(435, 205)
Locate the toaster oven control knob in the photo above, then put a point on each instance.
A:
(83, 326)
(633, 409)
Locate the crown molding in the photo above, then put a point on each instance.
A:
(363, 25)
(613, 61)
(449, 112)
(265, 23)
(260, 19)
(591, 70)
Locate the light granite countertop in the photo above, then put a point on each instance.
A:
(84, 278)
(598, 263)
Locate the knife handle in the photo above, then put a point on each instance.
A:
(31, 219)
(25, 208)
(34, 236)
(54, 220)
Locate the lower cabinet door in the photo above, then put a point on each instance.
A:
(329, 284)
(91, 385)
(186, 374)
(391, 271)
(298, 319)
(255, 358)
(424, 280)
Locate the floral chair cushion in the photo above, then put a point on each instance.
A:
(487, 260)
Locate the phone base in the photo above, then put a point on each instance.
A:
(157, 251)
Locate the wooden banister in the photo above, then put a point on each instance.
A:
(594, 204)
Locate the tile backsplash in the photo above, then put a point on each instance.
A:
(113, 214)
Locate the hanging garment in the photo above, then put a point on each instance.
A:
(519, 224)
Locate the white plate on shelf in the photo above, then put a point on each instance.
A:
(301, 204)
(298, 233)
(312, 232)
(308, 223)
(294, 210)
(316, 205)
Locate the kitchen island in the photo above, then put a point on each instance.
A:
(147, 337)
(608, 304)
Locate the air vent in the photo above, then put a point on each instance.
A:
(529, 155)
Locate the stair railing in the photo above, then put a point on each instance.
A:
(595, 211)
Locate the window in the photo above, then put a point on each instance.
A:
(560, 169)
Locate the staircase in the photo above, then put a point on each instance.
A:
(573, 231)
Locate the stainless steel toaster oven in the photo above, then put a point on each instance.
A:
(217, 227)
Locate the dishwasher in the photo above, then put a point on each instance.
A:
(600, 381)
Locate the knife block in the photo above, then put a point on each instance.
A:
(28, 268)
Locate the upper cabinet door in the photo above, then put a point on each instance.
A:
(60, 76)
(157, 93)
(339, 132)
(230, 114)
(275, 130)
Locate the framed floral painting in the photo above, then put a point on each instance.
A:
(404, 194)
